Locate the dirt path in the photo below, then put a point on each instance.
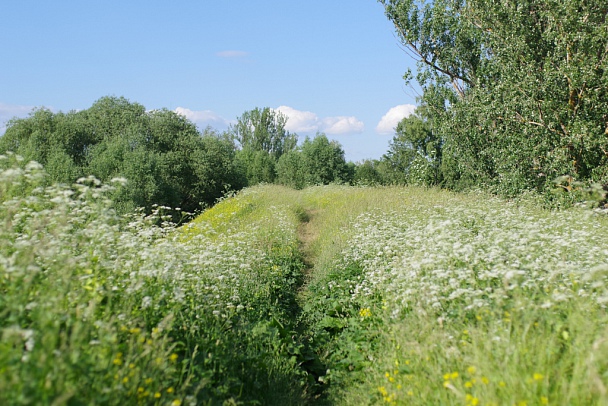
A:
(307, 234)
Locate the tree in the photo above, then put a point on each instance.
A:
(517, 90)
(414, 154)
(264, 130)
(263, 140)
(367, 173)
(162, 155)
(316, 162)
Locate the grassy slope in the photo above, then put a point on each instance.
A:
(427, 297)
(332, 294)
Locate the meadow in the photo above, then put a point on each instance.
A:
(328, 295)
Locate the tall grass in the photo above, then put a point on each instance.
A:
(434, 298)
(100, 309)
(411, 296)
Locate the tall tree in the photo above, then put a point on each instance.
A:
(517, 90)
(264, 130)
(414, 154)
(263, 139)
(316, 162)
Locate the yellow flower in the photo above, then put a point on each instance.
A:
(173, 357)
(365, 312)
(470, 400)
(471, 370)
(157, 395)
(502, 384)
(544, 400)
(485, 380)
(537, 376)
(454, 375)
(468, 384)
(176, 402)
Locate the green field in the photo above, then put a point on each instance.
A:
(328, 295)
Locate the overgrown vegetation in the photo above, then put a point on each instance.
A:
(425, 297)
(96, 308)
(330, 294)
(411, 296)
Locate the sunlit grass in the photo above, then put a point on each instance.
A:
(416, 296)
(429, 297)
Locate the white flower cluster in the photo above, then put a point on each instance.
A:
(455, 256)
(86, 252)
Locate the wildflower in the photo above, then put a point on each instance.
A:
(173, 357)
(544, 400)
(471, 400)
(537, 376)
(176, 402)
(170, 390)
(365, 312)
(468, 384)
(157, 395)
(471, 370)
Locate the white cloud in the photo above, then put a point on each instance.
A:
(390, 120)
(342, 125)
(299, 121)
(8, 111)
(309, 122)
(232, 54)
(203, 118)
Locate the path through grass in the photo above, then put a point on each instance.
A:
(330, 295)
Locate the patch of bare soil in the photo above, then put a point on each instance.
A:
(307, 234)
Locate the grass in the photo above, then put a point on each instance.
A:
(330, 295)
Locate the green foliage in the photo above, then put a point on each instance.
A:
(516, 91)
(414, 155)
(161, 154)
(367, 173)
(102, 309)
(264, 130)
(316, 162)
(263, 140)
(422, 297)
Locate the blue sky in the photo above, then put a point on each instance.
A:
(330, 65)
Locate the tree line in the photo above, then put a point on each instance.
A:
(165, 159)
(514, 96)
(514, 93)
